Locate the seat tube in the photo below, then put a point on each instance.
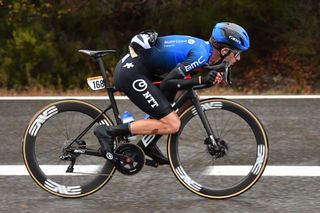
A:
(109, 90)
(203, 118)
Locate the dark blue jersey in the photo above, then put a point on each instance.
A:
(186, 51)
(174, 55)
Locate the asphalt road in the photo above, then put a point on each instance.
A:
(293, 131)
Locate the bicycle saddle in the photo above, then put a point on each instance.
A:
(97, 53)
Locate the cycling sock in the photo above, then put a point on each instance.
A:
(119, 130)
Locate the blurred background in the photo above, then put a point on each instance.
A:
(39, 40)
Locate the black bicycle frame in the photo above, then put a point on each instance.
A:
(189, 94)
(110, 91)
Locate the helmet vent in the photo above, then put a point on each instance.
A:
(245, 34)
(242, 41)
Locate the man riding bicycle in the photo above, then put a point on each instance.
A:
(176, 56)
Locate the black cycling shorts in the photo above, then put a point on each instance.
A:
(132, 77)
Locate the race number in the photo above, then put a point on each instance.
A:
(96, 83)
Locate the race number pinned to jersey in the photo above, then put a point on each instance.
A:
(96, 83)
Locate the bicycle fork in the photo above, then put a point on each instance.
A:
(211, 136)
(216, 146)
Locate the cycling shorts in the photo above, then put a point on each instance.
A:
(133, 77)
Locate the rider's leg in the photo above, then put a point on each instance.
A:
(133, 78)
(169, 124)
(106, 134)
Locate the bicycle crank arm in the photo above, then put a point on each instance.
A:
(152, 163)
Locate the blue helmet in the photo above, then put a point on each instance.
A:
(232, 35)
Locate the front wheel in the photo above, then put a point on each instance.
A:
(62, 170)
(234, 169)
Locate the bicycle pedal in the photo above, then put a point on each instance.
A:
(152, 163)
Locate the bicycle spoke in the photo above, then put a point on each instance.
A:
(202, 168)
(49, 144)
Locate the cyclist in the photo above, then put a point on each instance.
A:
(176, 56)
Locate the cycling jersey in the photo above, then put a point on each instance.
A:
(177, 55)
(170, 51)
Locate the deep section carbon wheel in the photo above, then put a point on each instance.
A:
(225, 172)
(56, 166)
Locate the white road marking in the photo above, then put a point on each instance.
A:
(305, 171)
(292, 171)
(32, 98)
(18, 170)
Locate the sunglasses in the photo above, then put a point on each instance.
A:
(236, 53)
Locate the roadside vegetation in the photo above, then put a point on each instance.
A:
(39, 41)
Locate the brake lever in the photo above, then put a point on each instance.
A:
(227, 75)
(216, 67)
(226, 72)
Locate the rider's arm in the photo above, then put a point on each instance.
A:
(175, 79)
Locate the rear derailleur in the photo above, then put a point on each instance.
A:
(72, 154)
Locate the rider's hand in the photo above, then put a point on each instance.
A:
(219, 78)
(209, 78)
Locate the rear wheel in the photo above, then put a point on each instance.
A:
(48, 158)
(234, 168)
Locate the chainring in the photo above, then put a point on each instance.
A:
(130, 159)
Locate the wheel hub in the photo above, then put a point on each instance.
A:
(69, 154)
(219, 150)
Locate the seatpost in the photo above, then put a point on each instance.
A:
(109, 89)
(103, 72)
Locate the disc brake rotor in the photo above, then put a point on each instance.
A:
(217, 152)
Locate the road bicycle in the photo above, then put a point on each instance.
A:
(220, 151)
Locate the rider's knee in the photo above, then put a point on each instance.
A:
(174, 126)
(172, 122)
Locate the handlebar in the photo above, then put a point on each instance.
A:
(217, 67)
(226, 72)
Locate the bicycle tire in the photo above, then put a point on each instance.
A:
(211, 177)
(51, 128)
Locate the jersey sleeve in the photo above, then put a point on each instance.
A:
(194, 60)
(175, 79)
